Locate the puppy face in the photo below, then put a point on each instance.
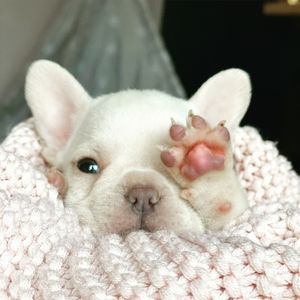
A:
(115, 151)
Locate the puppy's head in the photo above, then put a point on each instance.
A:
(107, 147)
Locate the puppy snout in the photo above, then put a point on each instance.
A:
(142, 199)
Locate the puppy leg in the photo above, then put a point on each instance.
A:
(201, 162)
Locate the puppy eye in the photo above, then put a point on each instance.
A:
(88, 165)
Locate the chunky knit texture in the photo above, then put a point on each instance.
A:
(46, 254)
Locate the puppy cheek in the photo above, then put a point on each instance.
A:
(124, 219)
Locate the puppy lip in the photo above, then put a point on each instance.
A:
(143, 225)
(126, 232)
(142, 214)
(140, 225)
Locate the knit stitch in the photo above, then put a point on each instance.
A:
(46, 254)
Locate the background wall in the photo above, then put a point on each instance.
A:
(204, 37)
(22, 25)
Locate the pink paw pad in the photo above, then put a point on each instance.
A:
(197, 149)
(56, 178)
(225, 208)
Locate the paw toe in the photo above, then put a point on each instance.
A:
(172, 157)
(199, 123)
(167, 158)
(177, 132)
(223, 133)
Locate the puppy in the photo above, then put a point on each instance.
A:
(141, 159)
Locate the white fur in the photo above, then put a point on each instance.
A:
(122, 132)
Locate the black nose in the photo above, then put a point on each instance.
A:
(142, 199)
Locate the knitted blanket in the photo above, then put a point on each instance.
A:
(46, 254)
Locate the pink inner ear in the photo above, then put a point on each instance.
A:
(62, 129)
(62, 135)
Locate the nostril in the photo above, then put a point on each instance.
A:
(142, 199)
(132, 200)
(154, 200)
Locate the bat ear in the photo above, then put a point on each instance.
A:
(225, 96)
(56, 100)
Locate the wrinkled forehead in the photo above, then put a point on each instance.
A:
(134, 112)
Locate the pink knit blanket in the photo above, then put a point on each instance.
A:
(46, 254)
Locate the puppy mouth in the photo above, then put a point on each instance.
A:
(140, 226)
(143, 225)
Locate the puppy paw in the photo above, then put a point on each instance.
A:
(56, 178)
(200, 160)
(197, 148)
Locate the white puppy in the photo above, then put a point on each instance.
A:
(141, 159)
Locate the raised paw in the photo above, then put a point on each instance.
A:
(197, 148)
